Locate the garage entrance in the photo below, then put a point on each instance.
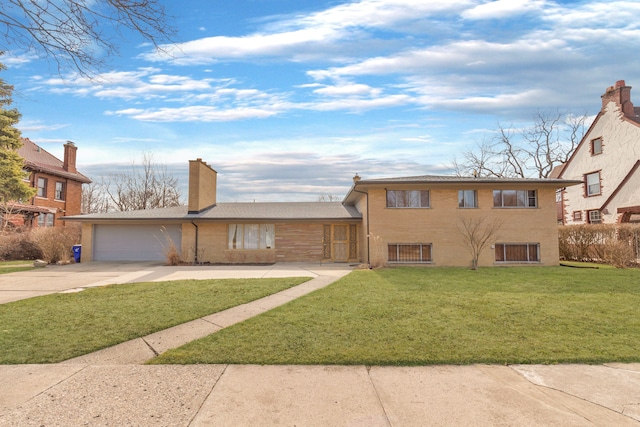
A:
(133, 242)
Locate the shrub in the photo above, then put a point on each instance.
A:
(170, 250)
(615, 244)
(16, 245)
(619, 254)
(56, 243)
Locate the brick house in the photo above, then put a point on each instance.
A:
(407, 220)
(607, 161)
(58, 184)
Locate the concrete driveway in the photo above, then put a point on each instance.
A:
(72, 277)
(112, 387)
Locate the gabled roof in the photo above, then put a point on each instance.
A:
(40, 160)
(276, 211)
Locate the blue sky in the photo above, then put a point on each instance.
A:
(287, 100)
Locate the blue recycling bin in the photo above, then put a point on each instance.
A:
(77, 252)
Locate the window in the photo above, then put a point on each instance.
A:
(407, 198)
(577, 215)
(467, 199)
(595, 217)
(45, 220)
(517, 252)
(42, 187)
(596, 146)
(410, 253)
(251, 236)
(593, 184)
(59, 190)
(515, 198)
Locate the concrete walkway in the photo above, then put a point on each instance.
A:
(111, 388)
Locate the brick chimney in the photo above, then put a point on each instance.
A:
(69, 163)
(621, 95)
(356, 178)
(202, 186)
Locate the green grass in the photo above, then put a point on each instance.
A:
(415, 316)
(57, 327)
(15, 266)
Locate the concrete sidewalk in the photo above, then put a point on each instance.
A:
(112, 388)
(248, 395)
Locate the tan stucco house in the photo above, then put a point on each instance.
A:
(607, 161)
(408, 220)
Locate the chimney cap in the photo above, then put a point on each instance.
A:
(620, 83)
(356, 178)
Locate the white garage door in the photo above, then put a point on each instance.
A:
(134, 242)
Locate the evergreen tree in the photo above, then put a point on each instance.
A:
(12, 186)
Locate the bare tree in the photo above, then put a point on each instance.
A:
(329, 198)
(525, 152)
(74, 32)
(147, 186)
(477, 233)
(94, 199)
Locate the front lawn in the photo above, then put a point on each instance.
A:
(56, 327)
(15, 266)
(416, 316)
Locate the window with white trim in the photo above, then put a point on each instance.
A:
(592, 181)
(409, 253)
(408, 199)
(467, 199)
(515, 198)
(517, 252)
(595, 217)
(59, 190)
(251, 236)
(42, 187)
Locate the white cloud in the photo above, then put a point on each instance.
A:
(348, 90)
(503, 8)
(195, 113)
(306, 36)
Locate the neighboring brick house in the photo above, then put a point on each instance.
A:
(408, 220)
(607, 161)
(58, 184)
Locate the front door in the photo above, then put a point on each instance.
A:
(340, 242)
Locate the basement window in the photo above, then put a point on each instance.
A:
(517, 252)
(416, 253)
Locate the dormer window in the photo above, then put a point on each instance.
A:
(596, 146)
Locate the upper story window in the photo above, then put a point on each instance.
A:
(467, 199)
(596, 146)
(408, 199)
(592, 184)
(515, 198)
(42, 187)
(59, 190)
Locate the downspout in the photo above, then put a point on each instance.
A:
(368, 239)
(195, 255)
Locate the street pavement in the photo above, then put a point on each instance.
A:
(112, 387)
